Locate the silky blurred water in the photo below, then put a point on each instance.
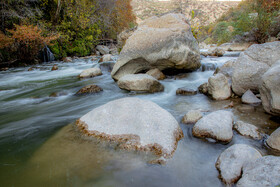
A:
(39, 146)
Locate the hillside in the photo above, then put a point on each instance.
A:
(198, 12)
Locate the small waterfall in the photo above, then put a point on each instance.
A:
(47, 55)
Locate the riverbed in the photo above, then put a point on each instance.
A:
(40, 146)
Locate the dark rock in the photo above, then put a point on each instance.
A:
(55, 67)
(90, 89)
(186, 91)
(203, 88)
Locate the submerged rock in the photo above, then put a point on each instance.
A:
(192, 117)
(233, 159)
(156, 73)
(90, 89)
(264, 171)
(274, 140)
(246, 129)
(165, 42)
(216, 125)
(92, 72)
(185, 91)
(252, 64)
(140, 82)
(136, 124)
(245, 108)
(218, 87)
(270, 90)
(249, 98)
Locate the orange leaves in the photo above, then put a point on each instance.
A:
(5, 41)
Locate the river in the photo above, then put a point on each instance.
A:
(39, 145)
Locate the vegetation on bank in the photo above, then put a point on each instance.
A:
(260, 19)
(68, 27)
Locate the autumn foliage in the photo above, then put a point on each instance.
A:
(26, 40)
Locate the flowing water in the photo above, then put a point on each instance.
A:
(39, 145)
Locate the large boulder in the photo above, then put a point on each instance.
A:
(216, 125)
(270, 90)
(218, 87)
(140, 82)
(165, 42)
(274, 140)
(135, 124)
(226, 69)
(252, 64)
(232, 160)
(264, 171)
(92, 72)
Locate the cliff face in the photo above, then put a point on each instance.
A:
(198, 13)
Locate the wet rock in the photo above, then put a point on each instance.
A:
(192, 117)
(55, 67)
(186, 91)
(140, 82)
(67, 59)
(235, 46)
(233, 159)
(245, 108)
(204, 53)
(203, 88)
(216, 125)
(4, 69)
(249, 98)
(156, 73)
(218, 87)
(106, 58)
(165, 42)
(219, 52)
(136, 124)
(274, 140)
(31, 69)
(124, 35)
(92, 72)
(246, 129)
(106, 66)
(90, 89)
(264, 171)
(103, 49)
(252, 64)
(270, 90)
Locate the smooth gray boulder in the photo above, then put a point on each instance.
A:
(230, 163)
(156, 73)
(140, 82)
(274, 140)
(252, 64)
(92, 72)
(103, 49)
(192, 117)
(246, 129)
(249, 98)
(270, 90)
(165, 42)
(216, 125)
(136, 124)
(226, 70)
(235, 46)
(218, 87)
(263, 172)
